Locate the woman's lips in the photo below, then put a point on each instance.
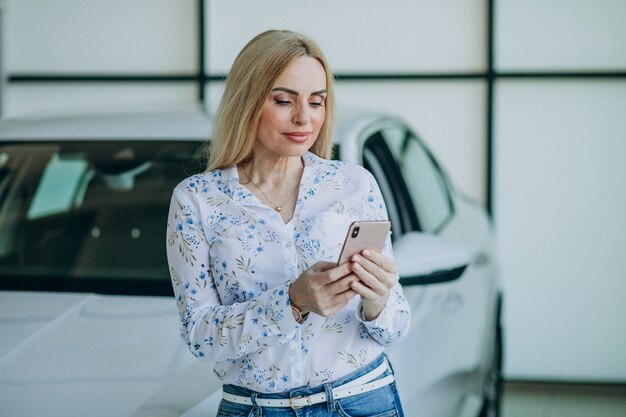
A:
(297, 136)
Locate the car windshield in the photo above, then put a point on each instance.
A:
(85, 216)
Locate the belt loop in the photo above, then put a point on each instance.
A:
(389, 363)
(330, 400)
(257, 409)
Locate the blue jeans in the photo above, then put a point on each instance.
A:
(381, 402)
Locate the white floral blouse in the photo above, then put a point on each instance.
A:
(232, 259)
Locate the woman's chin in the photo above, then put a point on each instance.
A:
(295, 149)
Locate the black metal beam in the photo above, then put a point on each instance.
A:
(101, 78)
(490, 77)
(199, 78)
(201, 58)
(444, 76)
(561, 74)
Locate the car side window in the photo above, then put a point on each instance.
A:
(372, 164)
(380, 161)
(424, 179)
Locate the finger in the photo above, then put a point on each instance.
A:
(380, 259)
(341, 285)
(323, 266)
(368, 279)
(333, 274)
(337, 303)
(341, 299)
(365, 292)
(375, 270)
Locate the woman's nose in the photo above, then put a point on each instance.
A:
(301, 115)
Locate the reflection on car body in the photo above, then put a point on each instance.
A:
(83, 206)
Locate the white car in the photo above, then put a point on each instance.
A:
(89, 326)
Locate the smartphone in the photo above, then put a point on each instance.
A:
(364, 234)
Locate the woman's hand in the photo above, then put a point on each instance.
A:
(377, 275)
(323, 289)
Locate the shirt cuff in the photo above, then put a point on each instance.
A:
(279, 310)
(384, 320)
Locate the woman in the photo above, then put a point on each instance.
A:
(251, 245)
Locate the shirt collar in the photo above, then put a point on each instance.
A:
(230, 178)
(231, 185)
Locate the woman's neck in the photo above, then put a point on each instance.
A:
(273, 171)
(274, 181)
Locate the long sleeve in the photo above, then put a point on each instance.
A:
(232, 258)
(393, 322)
(213, 331)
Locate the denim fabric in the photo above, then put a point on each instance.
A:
(381, 402)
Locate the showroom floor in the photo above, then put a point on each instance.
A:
(555, 400)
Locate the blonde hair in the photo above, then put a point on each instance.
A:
(248, 84)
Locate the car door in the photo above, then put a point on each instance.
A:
(439, 351)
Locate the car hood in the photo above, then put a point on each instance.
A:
(90, 355)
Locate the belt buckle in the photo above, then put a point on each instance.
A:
(292, 402)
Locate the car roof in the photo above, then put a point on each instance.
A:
(164, 123)
(152, 124)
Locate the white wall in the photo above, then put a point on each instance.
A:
(357, 35)
(89, 37)
(139, 36)
(560, 193)
(395, 37)
(561, 221)
(560, 35)
(2, 56)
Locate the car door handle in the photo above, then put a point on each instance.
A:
(481, 259)
(452, 302)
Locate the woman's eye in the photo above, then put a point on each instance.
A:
(317, 104)
(282, 102)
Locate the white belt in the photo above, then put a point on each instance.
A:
(357, 386)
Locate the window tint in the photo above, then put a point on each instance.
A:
(79, 215)
(426, 185)
(380, 161)
(423, 180)
(373, 165)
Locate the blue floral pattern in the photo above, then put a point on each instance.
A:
(232, 259)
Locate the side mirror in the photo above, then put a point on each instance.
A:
(426, 259)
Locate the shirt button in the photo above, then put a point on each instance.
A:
(288, 244)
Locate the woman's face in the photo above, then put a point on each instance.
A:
(294, 111)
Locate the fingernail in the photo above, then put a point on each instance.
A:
(356, 258)
(356, 266)
(366, 252)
